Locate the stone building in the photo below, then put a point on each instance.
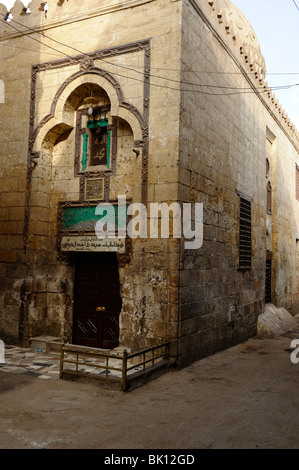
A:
(160, 101)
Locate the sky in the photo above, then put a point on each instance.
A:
(276, 24)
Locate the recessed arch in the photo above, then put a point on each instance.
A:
(59, 114)
(58, 134)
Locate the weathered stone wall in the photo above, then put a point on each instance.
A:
(223, 152)
(15, 72)
(286, 229)
(40, 298)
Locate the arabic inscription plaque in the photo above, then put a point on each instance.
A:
(92, 244)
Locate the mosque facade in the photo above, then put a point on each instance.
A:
(112, 112)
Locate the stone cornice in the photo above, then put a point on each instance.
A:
(244, 56)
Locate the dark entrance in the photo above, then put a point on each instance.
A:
(97, 300)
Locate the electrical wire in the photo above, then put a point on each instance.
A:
(23, 49)
(34, 39)
(296, 5)
(42, 34)
(177, 81)
(119, 65)
(208, 72)
(236, 90)
(124, 67)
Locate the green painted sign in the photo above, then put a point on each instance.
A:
(85, 218)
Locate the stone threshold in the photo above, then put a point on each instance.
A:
(53, 344)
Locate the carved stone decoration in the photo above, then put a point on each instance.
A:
(86, 63)
(239, 27)
(145, 132)
(94, 189)
(139, 143)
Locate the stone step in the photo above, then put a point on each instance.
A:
(52, 343)
(46, 343)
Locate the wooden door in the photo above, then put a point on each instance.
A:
(97, 301)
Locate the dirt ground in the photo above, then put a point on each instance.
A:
(242, 398)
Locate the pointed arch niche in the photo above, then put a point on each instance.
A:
(83, 156)
(64, 168)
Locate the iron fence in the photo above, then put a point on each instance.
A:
(123, 368)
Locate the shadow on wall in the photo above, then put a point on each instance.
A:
(2, 92)
(223, 145)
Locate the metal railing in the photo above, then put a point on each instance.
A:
(121, 368)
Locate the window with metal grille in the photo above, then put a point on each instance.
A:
(297, 182)
(245, 234)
